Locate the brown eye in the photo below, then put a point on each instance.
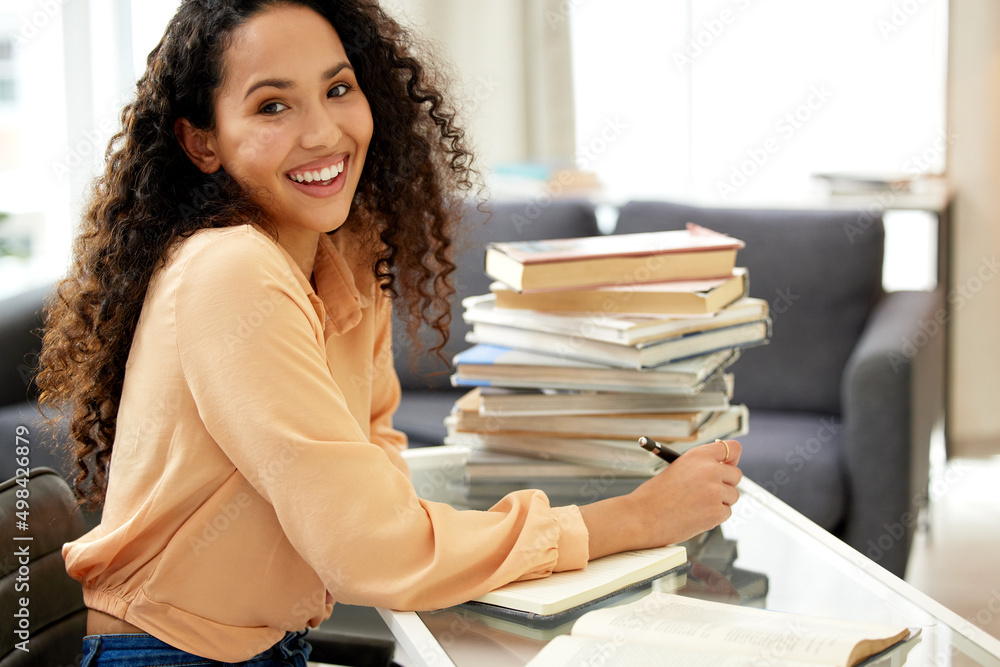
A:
(272, 108)
(339, 90)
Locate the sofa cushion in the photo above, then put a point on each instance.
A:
(798, 458)
(821, 273)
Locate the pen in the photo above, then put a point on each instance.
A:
(662, 451)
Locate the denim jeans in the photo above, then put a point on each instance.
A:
(142, 650)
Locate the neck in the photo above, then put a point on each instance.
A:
(301, 245)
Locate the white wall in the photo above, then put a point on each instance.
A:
(511, 67)
(974, 169)
(484, 42)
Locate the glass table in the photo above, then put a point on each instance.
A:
(766, 555)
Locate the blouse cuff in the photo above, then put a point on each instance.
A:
(574, 539)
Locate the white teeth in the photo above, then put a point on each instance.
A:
(325, 174)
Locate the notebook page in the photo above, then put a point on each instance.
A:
(563, 590)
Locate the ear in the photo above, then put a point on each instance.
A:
(199, 145)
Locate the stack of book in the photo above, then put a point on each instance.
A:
(582, 345)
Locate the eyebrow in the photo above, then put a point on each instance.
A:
(285, 84)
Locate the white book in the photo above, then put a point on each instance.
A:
(492, 365)
(500, 402)
(617, 329)
(669, 629)
(657, 425)
(635, 356)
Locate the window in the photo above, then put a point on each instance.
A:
(739, 102)
(7, 77)
(66, 69)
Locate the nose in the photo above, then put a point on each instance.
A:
(320, 127)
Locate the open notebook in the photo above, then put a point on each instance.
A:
(561, 594)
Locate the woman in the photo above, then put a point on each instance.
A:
(286, 169)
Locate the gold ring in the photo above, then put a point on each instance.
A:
(726, 445)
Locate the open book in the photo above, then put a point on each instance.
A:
(561, 592)
(667, 629)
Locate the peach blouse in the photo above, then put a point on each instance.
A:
(256, 477)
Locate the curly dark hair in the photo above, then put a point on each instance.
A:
(416, 174)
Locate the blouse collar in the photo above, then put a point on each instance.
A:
(337, 300)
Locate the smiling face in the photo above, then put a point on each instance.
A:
(291, 122)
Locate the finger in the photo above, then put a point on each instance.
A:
(731, 475)
(730, 495)
(730, 451)
(723, 450)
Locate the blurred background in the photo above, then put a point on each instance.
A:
(716, 102)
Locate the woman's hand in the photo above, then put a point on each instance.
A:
(694, 494)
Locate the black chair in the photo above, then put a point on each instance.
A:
(343, 649)
(34, 572)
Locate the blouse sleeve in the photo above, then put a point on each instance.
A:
(266, 396)
(386, 391)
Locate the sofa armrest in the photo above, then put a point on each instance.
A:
(892, 397)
